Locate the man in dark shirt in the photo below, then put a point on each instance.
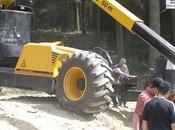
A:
(159, 113)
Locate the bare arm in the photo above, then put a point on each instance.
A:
(173, 126)
(127, 75)
(135, 122)
(145, 125)
(130, 76)
(118, 70)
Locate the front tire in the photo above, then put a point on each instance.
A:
(84, 83)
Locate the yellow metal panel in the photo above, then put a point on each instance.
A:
(42, 59)
(36, 58)
(67, 49)
(6, 3)
(118, 12)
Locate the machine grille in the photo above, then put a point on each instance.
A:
(54, 57)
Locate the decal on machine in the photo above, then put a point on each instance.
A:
(23, 64)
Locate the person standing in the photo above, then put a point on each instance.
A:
(159, 113)
(148, 94)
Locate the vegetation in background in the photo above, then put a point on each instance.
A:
(81, 24)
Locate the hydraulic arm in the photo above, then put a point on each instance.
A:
(136, 26)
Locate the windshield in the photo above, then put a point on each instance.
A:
(15, 27)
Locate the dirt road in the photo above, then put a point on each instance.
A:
(31, 110)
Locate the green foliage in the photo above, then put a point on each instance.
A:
(50, 35)
(56, 20)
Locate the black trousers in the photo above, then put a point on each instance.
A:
(119, 95)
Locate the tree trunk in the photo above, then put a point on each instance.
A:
(156, 61)
(154, 23)
(84, 16)
(119, 40)
(173, 27)
(71, 16)
(77, 16)
(98, 23)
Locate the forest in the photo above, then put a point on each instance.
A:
(81, 24)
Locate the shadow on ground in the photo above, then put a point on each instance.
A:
(17, 123)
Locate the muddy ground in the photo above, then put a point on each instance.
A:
(33, 110)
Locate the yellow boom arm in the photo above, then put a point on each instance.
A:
(136, 25)
(6, 3)
(118, 12)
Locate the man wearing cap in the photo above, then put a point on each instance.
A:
(159, 113)
(148, 94)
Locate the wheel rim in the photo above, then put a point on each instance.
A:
(75, 83)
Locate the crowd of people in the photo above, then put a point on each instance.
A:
(153, 110)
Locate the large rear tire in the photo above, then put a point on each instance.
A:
(84, 83)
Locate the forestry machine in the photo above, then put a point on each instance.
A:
(81, 80)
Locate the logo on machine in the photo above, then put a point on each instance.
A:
(23, 64)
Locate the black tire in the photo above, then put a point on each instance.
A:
(84, 83)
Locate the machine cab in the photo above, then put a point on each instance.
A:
(15, 31)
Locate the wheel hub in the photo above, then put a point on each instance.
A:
(75, 83)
